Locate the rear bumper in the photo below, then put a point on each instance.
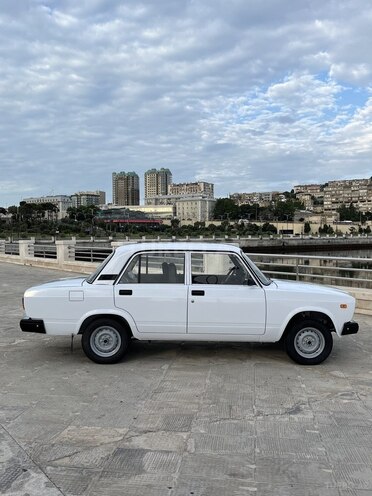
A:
(32, 325)
(350, 328)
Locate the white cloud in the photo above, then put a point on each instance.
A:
(249, 95)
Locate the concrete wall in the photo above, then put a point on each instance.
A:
(64, 261)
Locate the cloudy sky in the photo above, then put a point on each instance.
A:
(251, 95)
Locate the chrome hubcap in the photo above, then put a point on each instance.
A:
(105, 341)
(309, 342)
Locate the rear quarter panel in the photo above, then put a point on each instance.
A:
(63, 308)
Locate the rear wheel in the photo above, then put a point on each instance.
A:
(309, 342)
(105, 341)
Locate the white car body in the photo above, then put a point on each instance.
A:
(253, 310)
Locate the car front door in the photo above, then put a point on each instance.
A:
(152, 290)
(223, 297)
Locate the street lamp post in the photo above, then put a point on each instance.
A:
(286, 216)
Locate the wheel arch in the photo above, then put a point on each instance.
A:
(118, 318)
(309, 315)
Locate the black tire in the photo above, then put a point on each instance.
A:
(105, 341)
(309, 342)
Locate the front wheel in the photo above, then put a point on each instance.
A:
(105, 341)
(309, 342)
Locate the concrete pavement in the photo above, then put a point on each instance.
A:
(179, 420)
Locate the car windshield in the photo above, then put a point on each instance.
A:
(260, 275)
(90, 279)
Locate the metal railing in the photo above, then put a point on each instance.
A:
(334, 271)
(88, 253)
(42, 251)
(11, 249)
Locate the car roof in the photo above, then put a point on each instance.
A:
(130, 248)
(126, 251)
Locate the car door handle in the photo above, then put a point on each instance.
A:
(197, 292)
(125, 292)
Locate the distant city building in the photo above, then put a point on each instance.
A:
(355, 191)
(191, 202)
(263, 199)
(125, 188)
(196, 188)
(138, 211)
(162, 199)
(102, 197)
(164, 212)
(6, 218)
(126, 213)
(195, 209)
(157, 182)
(328, 198)
(183, 191)
(86, 198)
(62, 202)
(122, 218)
(192, 208)
(311, 195)
(312, 189)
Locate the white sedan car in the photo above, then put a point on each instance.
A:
(188, 292)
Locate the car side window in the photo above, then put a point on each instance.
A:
(155, 268)
(219, 268)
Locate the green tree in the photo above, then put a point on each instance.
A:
(225, 208)
(284, 210)
(249, 211)
(252, 229)
(290, 194)
(212, 228)
(26, 210)
(269, 228)
(349, 213)
(175, 223)
(199, 225)
(326, 229)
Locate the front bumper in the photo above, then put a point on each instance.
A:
(350, 328)
(32, 325)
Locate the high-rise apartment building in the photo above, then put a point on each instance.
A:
(157, 182)
(125, 188)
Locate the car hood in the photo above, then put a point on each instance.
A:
(71, 282)
(307, 287)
